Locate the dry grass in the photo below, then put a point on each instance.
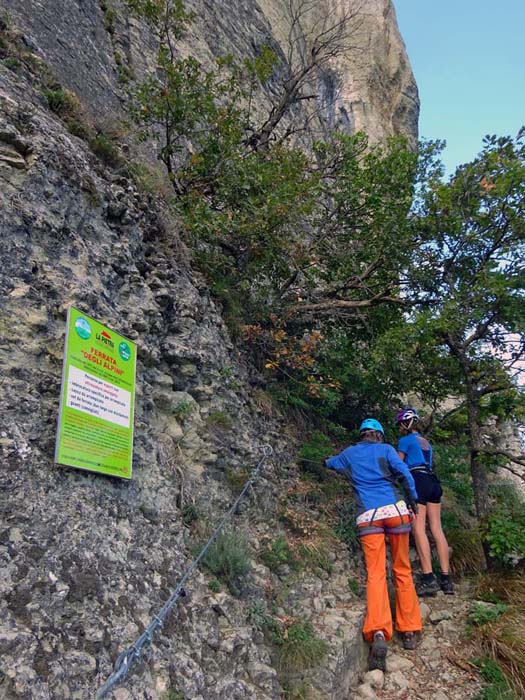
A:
(466, 551)
(505, 589)
(504, 638)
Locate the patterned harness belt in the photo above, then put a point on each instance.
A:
(371, 529)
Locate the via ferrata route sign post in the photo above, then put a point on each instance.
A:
(95, 421)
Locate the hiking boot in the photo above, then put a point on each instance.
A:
(410, 640)
(447, 586)
(427, 588)
(377, 658)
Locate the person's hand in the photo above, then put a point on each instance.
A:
(413, 508)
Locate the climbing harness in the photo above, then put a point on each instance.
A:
(130, 655)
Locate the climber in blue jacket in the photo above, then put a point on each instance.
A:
(386, 500)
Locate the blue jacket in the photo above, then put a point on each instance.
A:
(377, 475)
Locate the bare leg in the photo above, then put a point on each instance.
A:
(421, 539)
(434, 521)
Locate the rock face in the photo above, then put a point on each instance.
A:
(369, 87)
(86, 561)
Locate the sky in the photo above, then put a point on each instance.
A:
(468, 57)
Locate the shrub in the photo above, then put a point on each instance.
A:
(104, 148)
(11, 63)
(505, 528)
(190, 514)
(258, 616)
(278, 552)
(300, 648)
(483, 614)
(148, 179)
(505, 536)
(61, 101)
(228, 558)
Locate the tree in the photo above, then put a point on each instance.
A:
(468, 283)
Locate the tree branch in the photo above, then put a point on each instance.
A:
(503, 453)
(334, 305)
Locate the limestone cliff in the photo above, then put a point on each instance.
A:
(86, 560)
(371, 87)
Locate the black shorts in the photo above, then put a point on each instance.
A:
(428, 487)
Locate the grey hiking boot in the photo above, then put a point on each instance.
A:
(410, 640)
(427, 588)
(377, 658)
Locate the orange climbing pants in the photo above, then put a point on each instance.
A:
(378, 614)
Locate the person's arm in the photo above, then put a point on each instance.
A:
(339, 462)
(405, 478)
(401, 455)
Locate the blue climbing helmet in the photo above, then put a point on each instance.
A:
(371, 424)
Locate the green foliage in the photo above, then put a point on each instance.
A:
(109, 16)
(300, 648)
(182, 409)
(61, 101)
(354, 585)
(173, 694)
(505, 535)
(11, 63)
(497, 687)
(278, 552)
(237, 478)
(452, 465)
(483, 614)
(214, 585)
(190, 514)
(106, 149)
(259, 617)
(219, 420)
(313, 454)
(355, 275)
(297, 690)
(228, 558)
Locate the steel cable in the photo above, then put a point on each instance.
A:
(130, 655)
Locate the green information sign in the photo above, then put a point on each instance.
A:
(95, 422)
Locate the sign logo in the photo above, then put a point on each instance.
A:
(124, 351)
(105, 339)
(83, 328)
